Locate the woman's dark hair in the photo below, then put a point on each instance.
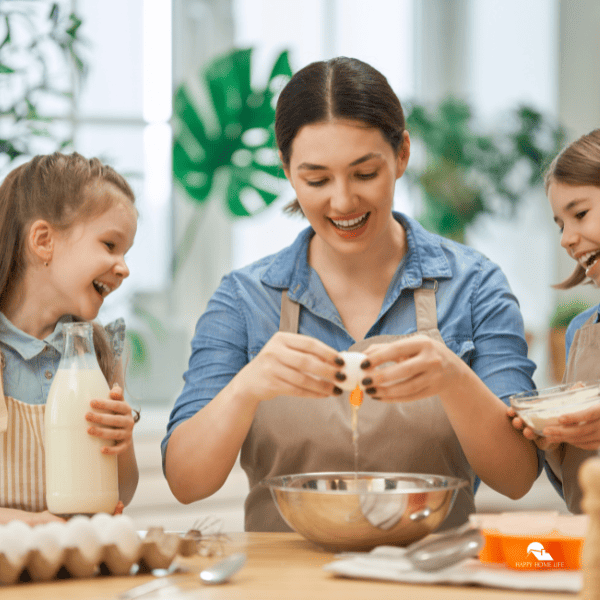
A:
(577, 164)
(340, 88)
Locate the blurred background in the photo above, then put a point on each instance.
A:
(151, 86)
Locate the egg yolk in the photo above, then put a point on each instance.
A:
(356, 396)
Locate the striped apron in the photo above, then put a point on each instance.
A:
(22, 468)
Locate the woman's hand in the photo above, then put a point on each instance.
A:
(112, 420)
(419, 367)
(291, 364)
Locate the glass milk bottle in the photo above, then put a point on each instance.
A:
(80, 479)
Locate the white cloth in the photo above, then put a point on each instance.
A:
(388, 563)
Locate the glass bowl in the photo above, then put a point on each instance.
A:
(540, 408)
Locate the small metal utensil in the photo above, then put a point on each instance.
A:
(224, 569)
(444, 550)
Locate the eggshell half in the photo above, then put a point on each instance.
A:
(351, 369)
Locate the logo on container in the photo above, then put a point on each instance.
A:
(542, 559)
(538, 551)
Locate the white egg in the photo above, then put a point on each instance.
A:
(102, 523)
(121, 532)
(47, 540)
(15, 541)
(354, 374)
(58, 530)
(80, 533)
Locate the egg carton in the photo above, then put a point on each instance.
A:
(47, 561)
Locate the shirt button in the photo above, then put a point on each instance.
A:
(48, 375)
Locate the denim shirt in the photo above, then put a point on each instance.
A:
(478, 316)
(32, 363)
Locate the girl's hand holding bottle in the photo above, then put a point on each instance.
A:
(112, 419)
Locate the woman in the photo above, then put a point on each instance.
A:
(265, 357)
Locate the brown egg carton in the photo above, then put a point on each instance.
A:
(156, 551)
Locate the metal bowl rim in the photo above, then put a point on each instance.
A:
(453, 483)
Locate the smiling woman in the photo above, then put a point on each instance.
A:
(436, 321)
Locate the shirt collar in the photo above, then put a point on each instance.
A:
(27, 345)
(425, 259)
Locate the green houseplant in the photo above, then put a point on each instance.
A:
(469, 170)
(39, 55)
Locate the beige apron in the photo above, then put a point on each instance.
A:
(22, 481)
(583, 365)
(302, 435)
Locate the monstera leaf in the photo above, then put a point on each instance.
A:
(222, 124)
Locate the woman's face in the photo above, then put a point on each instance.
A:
(577, 212)
(344, 174)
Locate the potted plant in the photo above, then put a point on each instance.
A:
(469, 170)
(39, 53)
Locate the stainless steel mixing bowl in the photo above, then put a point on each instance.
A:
(358, 511)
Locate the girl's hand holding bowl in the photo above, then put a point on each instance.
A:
(568, 413)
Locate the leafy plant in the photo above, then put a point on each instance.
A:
(468, 172)
(564, 313)
(39, 52)
(225, 127)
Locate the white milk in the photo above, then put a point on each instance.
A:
(79, 478)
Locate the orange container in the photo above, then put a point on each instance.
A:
(492, 550)
(541, 552)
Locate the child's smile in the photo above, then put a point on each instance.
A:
(577, 212)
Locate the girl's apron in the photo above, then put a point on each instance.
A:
(292, 435)
(22, 482)
(583, 365)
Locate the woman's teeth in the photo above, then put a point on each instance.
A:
(351, 224)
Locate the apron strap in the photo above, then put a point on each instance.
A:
(290, 314)
(425, 306)
(425, 309)
(3, 408)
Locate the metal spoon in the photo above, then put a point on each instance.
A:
(437, 554)
(218, 573)
(446, 549)
(223, 570)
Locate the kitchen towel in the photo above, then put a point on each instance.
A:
(388, 563)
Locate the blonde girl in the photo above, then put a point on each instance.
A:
(66, 223)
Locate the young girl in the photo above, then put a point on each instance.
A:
(573, 188)
(66, 224)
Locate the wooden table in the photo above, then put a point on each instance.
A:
(281, 566)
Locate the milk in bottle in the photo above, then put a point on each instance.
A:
(79, 478)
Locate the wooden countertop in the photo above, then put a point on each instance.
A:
(282, 566)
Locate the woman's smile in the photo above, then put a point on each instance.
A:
(350, 226)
